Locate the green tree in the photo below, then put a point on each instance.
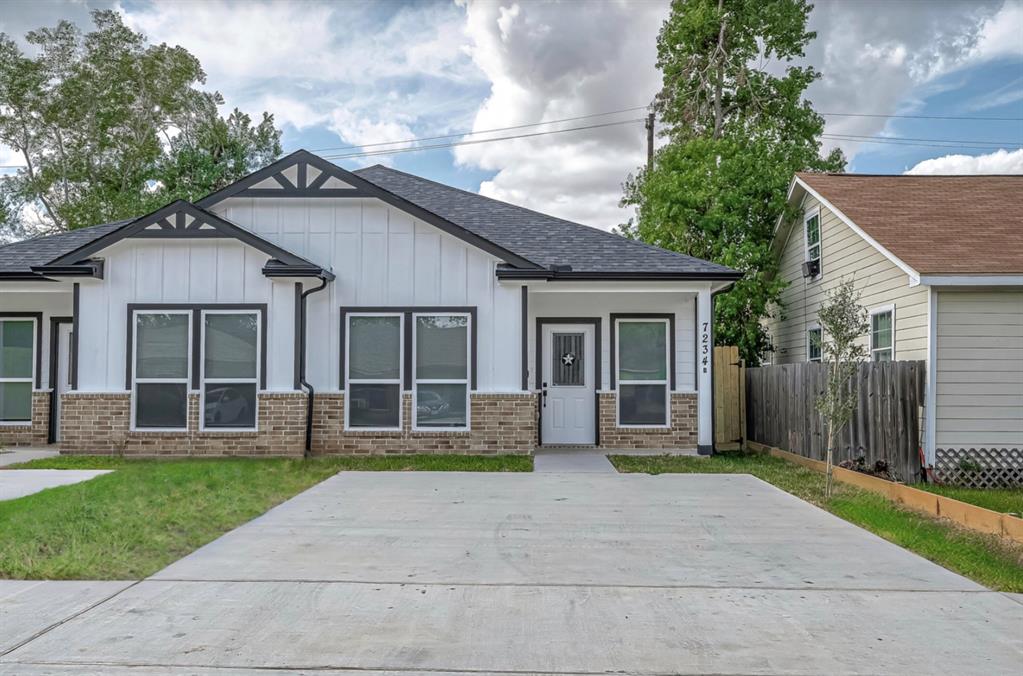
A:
(737, 131)
(111, 127)
(843, 322)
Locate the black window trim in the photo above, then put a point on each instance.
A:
(37, 347)
(408, 311)
(670, 316)
(196, 310)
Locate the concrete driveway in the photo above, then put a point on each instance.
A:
(540, 573)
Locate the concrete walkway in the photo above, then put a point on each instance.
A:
(571, 460)
(16, 455)
(549, 573)
(17, 483)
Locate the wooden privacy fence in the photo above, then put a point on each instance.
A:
(729, 398)
(886, 424)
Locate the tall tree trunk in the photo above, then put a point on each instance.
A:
(719, 55)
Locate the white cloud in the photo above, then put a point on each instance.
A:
(547, 62)
(875, 55)
(998, 162)
(366, 72)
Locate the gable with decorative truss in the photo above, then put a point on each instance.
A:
(300, 174)
(184, 220)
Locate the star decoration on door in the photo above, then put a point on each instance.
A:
(568, 359)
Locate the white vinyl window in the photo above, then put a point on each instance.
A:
(812, 240)
(814, 344)
(440, 366)
(374, 368)
(643, 378)
(882, 334)
(17, 369)
(160, 369)
(230, 369)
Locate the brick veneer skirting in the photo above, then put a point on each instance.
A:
(99, 423)
(35, 433)
(500, 423)
(681, 434)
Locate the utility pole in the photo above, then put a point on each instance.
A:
(650, 142)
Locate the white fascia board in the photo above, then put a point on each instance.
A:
(38, 287)
(972, 280)
(614, 286)
(914, 276)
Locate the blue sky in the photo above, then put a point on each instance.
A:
(346, 74)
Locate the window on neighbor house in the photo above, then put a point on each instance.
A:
(373, 371)
(160, 374)
(814, 336)
(17, 369)
(642, 360)
(812, 231)
(441, 369)
(882, 334)
(230, 369)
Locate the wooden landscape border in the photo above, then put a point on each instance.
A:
(963, 513)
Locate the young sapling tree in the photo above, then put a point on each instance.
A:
(843, 322)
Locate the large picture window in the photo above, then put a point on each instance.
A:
(17, 369)
(373, 371)
(643, 378)
(162, 351)
(230, 369)
(441, 368)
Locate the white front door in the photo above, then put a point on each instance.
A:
(568, 384)
(62, 377)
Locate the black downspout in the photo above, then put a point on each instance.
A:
(301, 367)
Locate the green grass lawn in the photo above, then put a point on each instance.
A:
(992, 561)
(1005, 500)
(131, 523)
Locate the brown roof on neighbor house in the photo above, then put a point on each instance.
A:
(935, 224)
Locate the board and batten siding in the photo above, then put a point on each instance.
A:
(596, 304)
(979, 393)
(194, 271)
(383, 256)
(844, 254)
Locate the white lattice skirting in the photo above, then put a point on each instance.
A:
(980, 467)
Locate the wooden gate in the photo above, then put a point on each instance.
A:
(729, 398)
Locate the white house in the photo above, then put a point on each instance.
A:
(938, 261)
(307, 307)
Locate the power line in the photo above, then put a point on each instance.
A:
(926, 117)
(482, 140)
(483, 131)
(929, 140)
(889, 141)
(626, 110)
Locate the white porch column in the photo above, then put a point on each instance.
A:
(705, 371)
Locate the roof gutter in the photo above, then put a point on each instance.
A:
(22, 276)
(568, 275)
(275, 268)
(310, 391)
(87, 268)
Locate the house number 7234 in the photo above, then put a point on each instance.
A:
(705, 346)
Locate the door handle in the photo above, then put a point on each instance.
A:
(544, 393)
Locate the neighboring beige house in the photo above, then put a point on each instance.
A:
(938, 261)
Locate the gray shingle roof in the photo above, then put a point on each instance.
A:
(542, 239)
(19, 257)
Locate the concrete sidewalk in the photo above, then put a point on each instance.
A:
(16, 455)
(541, 573)
(17, 483)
